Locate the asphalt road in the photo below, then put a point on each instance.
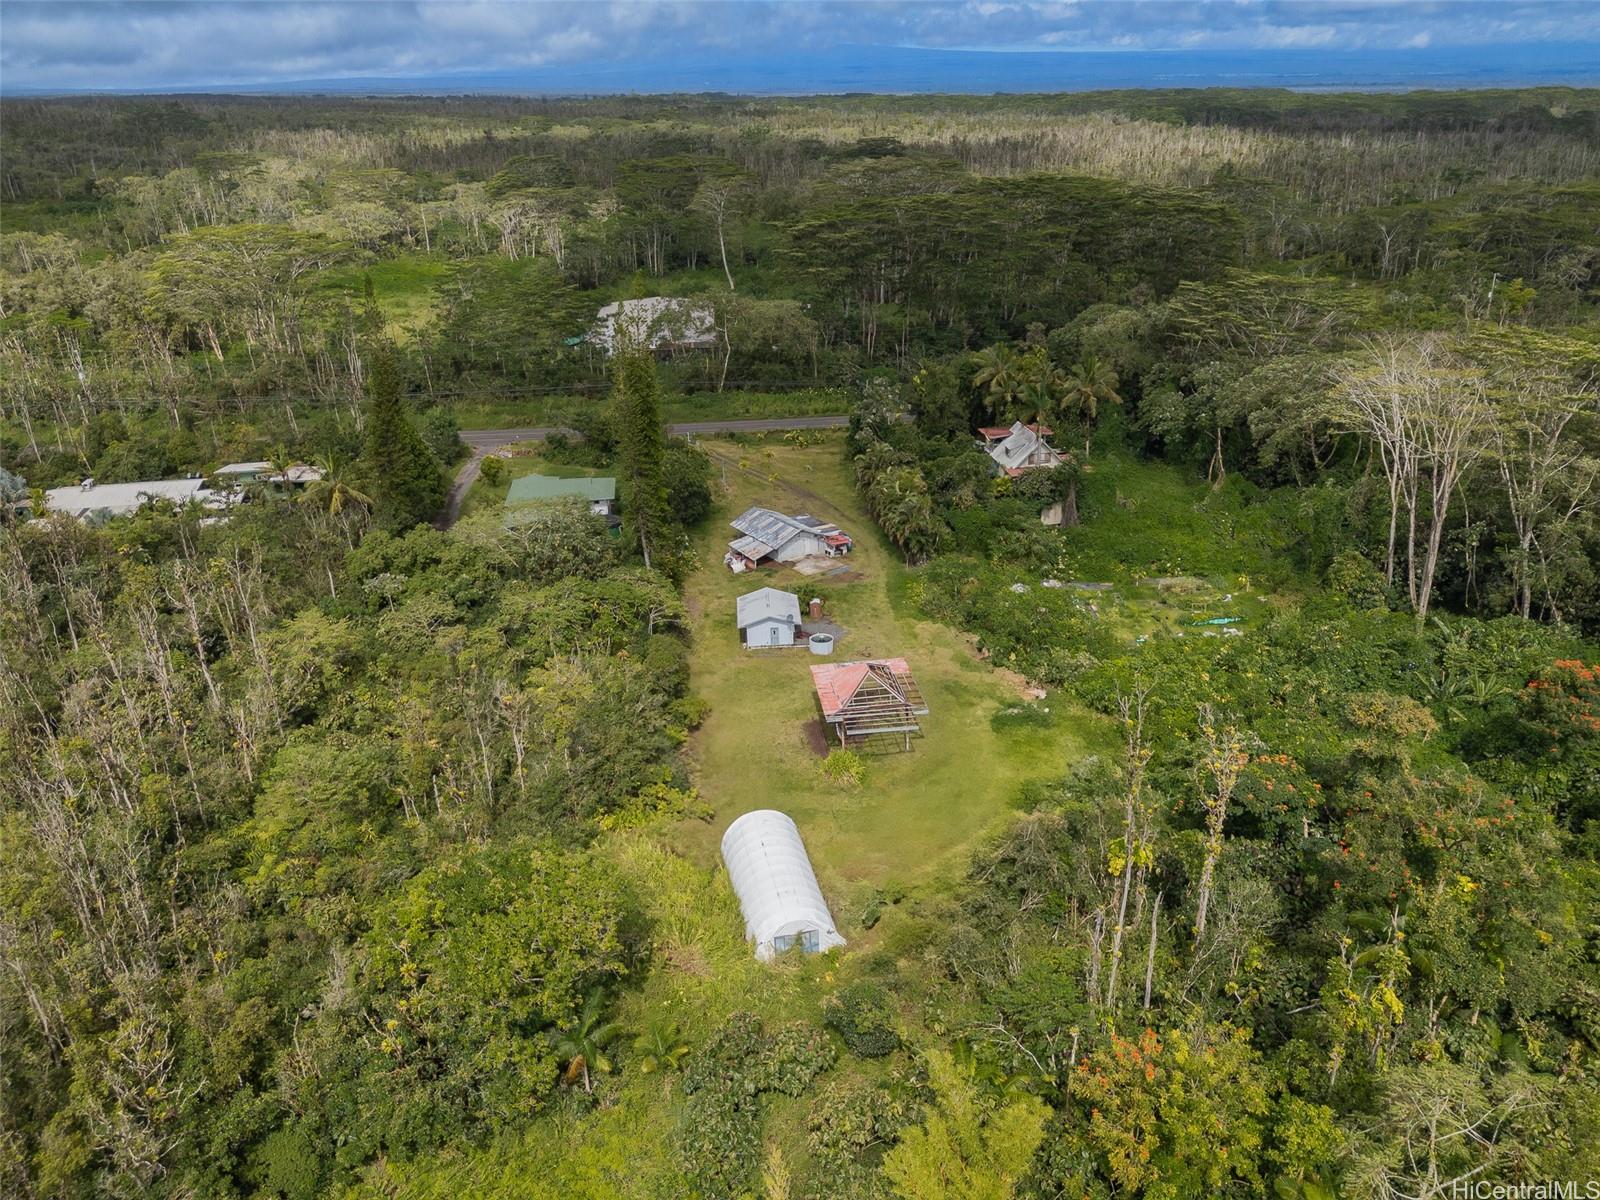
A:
(482, 441)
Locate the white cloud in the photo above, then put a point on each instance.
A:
(117, 44)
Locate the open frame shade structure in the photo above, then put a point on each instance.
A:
(868, 699)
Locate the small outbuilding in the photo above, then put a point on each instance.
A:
(599, 490)
(768, 536)
(768, 617)
(777, 889)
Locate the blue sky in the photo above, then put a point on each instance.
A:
(70, 44)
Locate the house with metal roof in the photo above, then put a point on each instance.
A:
(866, 699)
(599, 490)
(768, 536)
(241, 473)
(778, 894)
(1021, 448)
(768, 617)
(656, 323)
(91, 501)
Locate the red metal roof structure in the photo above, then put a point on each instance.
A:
(999, 433)
(860, 699)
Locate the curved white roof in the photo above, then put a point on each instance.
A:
(777, 889)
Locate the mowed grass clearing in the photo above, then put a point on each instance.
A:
(918, 814)
(526, 460)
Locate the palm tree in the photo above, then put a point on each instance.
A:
(661, 1048)
(281, 461)
(1090, 383)
(900, 501)
(582, 1044)
(333, 493)
(999, 375)
(1039, 395)
(875, 461)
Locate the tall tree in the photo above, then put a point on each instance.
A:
(965, 1149)
(718, 199)
(1546, 395)
(1222, 760)
(636, 398)
(999, 373)
(401, 474)
(1089, 383)
(1426, 415)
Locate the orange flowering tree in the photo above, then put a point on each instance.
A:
(1172, 1116)
(1562, 703)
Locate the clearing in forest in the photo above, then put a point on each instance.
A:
(917, 814)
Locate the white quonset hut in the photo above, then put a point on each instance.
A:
(777, 890)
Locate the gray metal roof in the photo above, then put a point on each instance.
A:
(656, 321)
(767, 526)
(776, 529)
(1019, 445)
(120, 499)
(764, 603)
(751, 548)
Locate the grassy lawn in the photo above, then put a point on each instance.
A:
(918, 814)
(486, 496)
(404, 289)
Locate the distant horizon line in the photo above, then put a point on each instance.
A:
(894, 70)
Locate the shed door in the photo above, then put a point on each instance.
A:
(772, 635)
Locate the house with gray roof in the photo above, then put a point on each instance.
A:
(768, 617)
(1019, 448)
(91, 501)
(265, 473)
(655, 323)
(768, 536)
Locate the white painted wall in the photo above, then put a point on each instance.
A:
(769, 631)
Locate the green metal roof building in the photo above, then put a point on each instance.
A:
(599, 490)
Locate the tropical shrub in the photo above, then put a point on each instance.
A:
(860, 1015)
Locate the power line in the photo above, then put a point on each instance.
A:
(206, 404)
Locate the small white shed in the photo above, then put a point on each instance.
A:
(768, 617)
(777, 890)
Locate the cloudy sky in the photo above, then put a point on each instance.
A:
(70, 44)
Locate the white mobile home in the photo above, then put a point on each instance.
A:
(656, 323)
(91, 501)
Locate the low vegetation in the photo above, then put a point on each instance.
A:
(1249, 846)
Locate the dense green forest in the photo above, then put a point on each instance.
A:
(1254, 846)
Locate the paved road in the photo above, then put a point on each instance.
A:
(482, 441)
